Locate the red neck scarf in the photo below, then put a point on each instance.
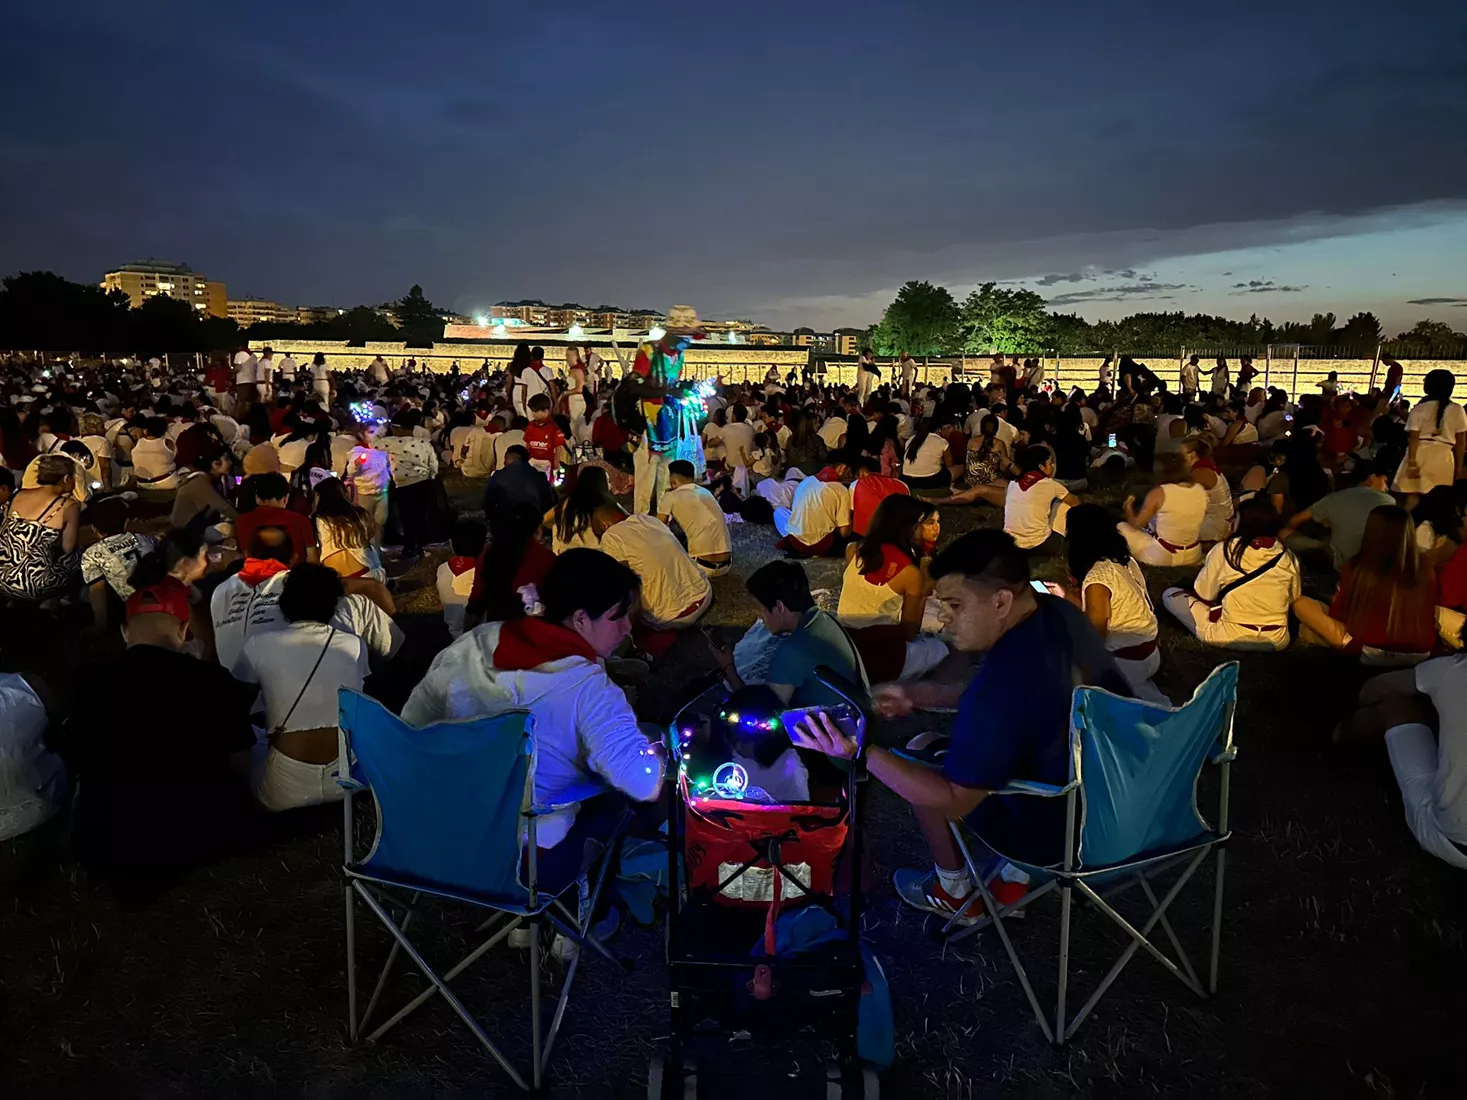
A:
(256, 570)
(1264, 543)
(1029, 480)
(530, 643)
(458, 566)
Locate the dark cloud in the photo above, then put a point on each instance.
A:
(1122, 293)
(1437, 302)
(1264, 286)
(1072, 277)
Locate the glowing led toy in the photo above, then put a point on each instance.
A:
(730, 780)
(364, 413)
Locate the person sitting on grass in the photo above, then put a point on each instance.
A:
(506, 585)
(1420, 714)
(1013, 721)
(585, 731)
(571, 520)
(271, 493)
(1345, 511)
(159, 789)
(1036, 504)
(987, 467)
(676, 592)
(700, 517)
(818, 522)
(107, 564)
(883, 594)
(1167, 529)
(299, 668)
(516, 482)
(870, 488)
(455, 577)
(1108, 585)
(799, 639)
(1249, 582)
(1385, 608)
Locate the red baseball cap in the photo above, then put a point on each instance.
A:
(169, 597)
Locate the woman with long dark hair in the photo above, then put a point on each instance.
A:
(881, 444)
(1301, 480)
(924, 465)
(1436, 438)
(570, 519)
(347, 532)
(988, 466)
(883, 596)
(1242, 597)
(514, 564)
(1108, 585)
(1386, 602)
(804, 448)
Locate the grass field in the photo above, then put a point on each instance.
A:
(1343, 955)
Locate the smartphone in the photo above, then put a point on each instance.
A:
(846, 718)
(1038, 586)
(1110, 440)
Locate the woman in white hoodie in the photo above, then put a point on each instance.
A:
(591, 758)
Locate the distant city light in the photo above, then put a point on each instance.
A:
(576, 332)
(498, 329)
(656, 332)
(481, 319)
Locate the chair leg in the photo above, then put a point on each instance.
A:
(442, 987)
(1008, 946)
(1066, 900)
(407, 921)
(1217, 904)
(1171, 935)
(537, 1069)
(351, 964)
(458, 968)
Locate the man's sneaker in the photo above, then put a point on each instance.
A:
(1009, 893)
(922, 890)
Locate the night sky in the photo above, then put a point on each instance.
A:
(792, 162)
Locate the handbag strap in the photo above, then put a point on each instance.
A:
(1253, 575)
(309, 677)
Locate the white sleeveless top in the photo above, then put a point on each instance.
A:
(1132, 616)
(1218, 523)
(865, 604)
(1183, 508)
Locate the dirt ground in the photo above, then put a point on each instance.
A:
(1342, 960)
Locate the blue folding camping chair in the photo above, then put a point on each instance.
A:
(1130, 815)
(453, 801)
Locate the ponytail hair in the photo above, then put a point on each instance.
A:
(1438, 386)
(919, 437)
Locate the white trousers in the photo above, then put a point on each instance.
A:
(1148, 551)
(576, 406)
(864, 379)
(281, 782)
(1413, 753)
(924, 653)
(1195, 615)
(650, 471)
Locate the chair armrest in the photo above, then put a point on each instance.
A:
(1037, 789)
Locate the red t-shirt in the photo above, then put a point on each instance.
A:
(1453, 590)
(542, 439)
(298, 527)
(607, 434)
(219, 377)
(533, 566)
(867, 493)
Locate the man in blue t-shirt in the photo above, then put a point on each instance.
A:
(1012, 721)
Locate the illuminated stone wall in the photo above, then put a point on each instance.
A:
(748, 363)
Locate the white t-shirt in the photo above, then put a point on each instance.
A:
(929, 458)
(240, 612)
(454, 590)
(478, 456)
(515, 437)
(818, 509)
(413, 460)
(284, 663)
(1422, 418)
(1026, 512)
(244, 368)
(713, 442)
(369, 469)
(671, 581)
(1183, 510)
(1263, 601)
(833, 431)
(153, 464)
(1444, 679)
(700, 517)
(530, 382)
(780, 493)
(738, 436)
(1132, 617)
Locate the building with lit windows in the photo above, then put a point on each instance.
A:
(150, 278)
(248, 311)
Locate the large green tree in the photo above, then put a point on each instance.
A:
(1434, 336)
(921, 320)
(1010, 321)
(420, 320)
(1361, 332)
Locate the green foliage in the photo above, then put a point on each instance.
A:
(420, 320)
(1011, 321)
(921, 320)
(1435, 335)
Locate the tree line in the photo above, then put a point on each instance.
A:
(925, 319)
(40, 310)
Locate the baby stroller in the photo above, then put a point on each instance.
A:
(763, 922)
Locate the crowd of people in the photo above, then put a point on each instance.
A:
(238, 534)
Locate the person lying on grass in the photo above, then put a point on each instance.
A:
(1012, 721)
